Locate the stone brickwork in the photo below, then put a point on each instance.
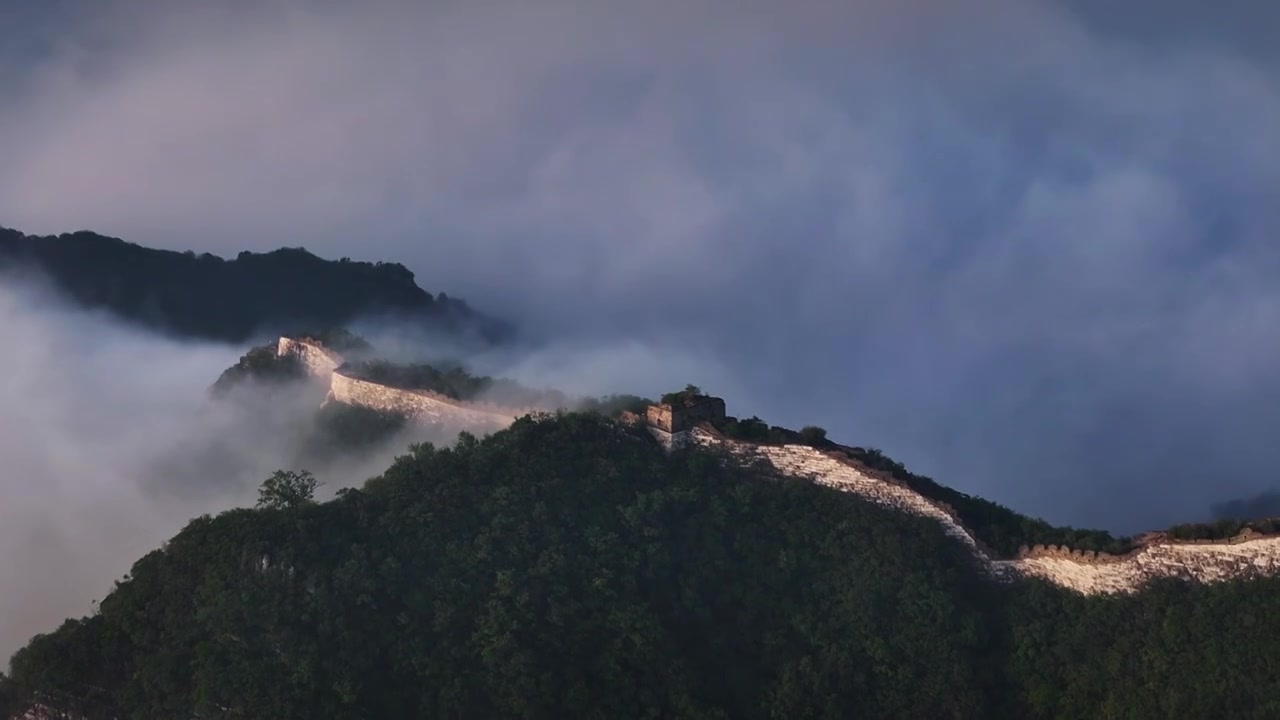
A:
(1086, 573)
(1201, 562)
(805, 462)
(670, 440)
(420, 405)
(316, 359)
(684, 416)
(686, 424)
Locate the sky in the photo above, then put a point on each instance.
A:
(1027, 247)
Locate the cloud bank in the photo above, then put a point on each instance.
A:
(83, 411)
(110, 444)
(111, 440)
(1025, 247)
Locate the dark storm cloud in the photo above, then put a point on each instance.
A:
(1026, 247)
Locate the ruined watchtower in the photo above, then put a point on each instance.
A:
(671, 421)
(318, 360)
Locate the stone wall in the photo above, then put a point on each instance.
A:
(420, 405)
(1155, 538)
(827, 469)
(316, 359)
(682, 417)
(1086, 573)
(1082, 571)
(1189, 561)
(670, 440)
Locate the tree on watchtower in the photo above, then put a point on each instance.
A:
(690, 392)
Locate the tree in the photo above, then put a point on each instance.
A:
(10, 700)
(689, 392)
(568, 567)
(287, 489)
(812, 435)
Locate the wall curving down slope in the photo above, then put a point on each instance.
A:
(1088, 573)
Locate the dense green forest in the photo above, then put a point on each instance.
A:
(567, 567)
(1003, 530)
(206, 296)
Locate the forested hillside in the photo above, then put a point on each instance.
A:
(567, 567)
(206, 296)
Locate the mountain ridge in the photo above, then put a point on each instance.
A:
(684, 420)
(646, 559)
(210, 297)
(568, 566)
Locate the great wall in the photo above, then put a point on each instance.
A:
(1243, 557)
(422, 405)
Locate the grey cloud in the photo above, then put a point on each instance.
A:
(1021, 246)
(109, 444)
(82, 412)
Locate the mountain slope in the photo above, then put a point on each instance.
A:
(206, 296)
(1008, 544)
(568, 567)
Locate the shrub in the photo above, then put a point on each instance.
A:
(813, 435)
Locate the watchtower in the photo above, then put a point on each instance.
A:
(671, 421)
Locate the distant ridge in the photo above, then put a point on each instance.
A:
(209, 297)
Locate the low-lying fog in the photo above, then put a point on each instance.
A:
(111, 442)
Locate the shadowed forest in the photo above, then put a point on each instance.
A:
(205, 296)
(566, 566)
